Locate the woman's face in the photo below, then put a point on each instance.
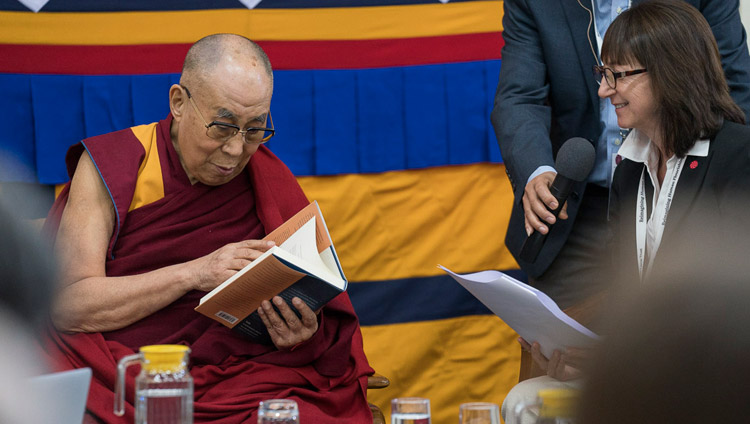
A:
(633, 100)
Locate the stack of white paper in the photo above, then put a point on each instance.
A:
(531, 313)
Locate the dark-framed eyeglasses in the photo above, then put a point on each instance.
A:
(223, 131)
(611, 76)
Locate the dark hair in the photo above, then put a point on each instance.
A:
(674, 42)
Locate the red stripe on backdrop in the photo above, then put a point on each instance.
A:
(335, 54)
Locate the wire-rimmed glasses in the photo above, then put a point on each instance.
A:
(223, 131)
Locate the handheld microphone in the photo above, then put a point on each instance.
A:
(574, 162)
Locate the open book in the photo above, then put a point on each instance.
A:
(303, 264)
(528, 311)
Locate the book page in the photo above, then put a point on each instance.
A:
(285, 230)
(328, 257)
(299, 251)
(529, 312)
(302, 243)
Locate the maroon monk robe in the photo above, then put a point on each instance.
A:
(327, 375)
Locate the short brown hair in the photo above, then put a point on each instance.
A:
(674, 42)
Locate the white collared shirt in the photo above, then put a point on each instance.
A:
(639, 148)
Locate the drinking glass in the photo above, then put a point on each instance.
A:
(276, 411)
(410, 410)
(479, 413)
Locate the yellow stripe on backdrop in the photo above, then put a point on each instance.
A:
(452, 361)
(355, 23)
(401, 224)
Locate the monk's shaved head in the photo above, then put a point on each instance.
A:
(226, 80)
(209, 51)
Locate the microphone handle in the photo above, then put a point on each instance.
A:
(560, 188)
(533, 244)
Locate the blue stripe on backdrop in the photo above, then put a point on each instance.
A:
(168, 5)
(467, 121)
(336, 118)
(17, 154)
(381, 124)
(426, 116)
(293, 117)
(415, 299)
(328, 121)
(491, 75)
(150, 94)
(58, 105)
(107, 103)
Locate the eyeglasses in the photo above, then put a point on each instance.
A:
(223, 131)
(611, 76)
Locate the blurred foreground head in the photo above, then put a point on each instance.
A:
(26, 270)
(26, 290)
(678, 352)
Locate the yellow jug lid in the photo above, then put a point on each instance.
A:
(560, 402)
(164, 358)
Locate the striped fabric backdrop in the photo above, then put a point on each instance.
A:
(382, 111)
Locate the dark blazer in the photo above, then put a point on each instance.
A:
(705, 230)
(547, 94)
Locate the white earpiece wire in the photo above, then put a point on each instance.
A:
(588, 32)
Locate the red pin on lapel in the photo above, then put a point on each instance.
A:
(693, 164)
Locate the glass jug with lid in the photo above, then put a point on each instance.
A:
(164, 387)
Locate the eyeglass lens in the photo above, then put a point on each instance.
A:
(608, 76)
(223, 132)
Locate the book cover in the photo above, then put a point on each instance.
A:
(303, 264)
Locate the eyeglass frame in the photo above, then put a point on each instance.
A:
(235, 127)
(602, 71)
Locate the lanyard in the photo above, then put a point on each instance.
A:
(659, 215)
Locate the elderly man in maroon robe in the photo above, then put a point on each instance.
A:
(157, 215)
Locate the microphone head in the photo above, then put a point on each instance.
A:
(575, 159)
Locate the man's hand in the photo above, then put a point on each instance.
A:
(214, 268)
(536, 199)
(288, 330)
(562, 366)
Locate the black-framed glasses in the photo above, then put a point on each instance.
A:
(223, 131)
(611, 76)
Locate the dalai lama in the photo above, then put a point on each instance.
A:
(157, 215)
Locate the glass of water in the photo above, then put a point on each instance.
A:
(479, 413)
(410, 410)
(276, 411)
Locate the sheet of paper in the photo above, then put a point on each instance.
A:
(528, 311)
